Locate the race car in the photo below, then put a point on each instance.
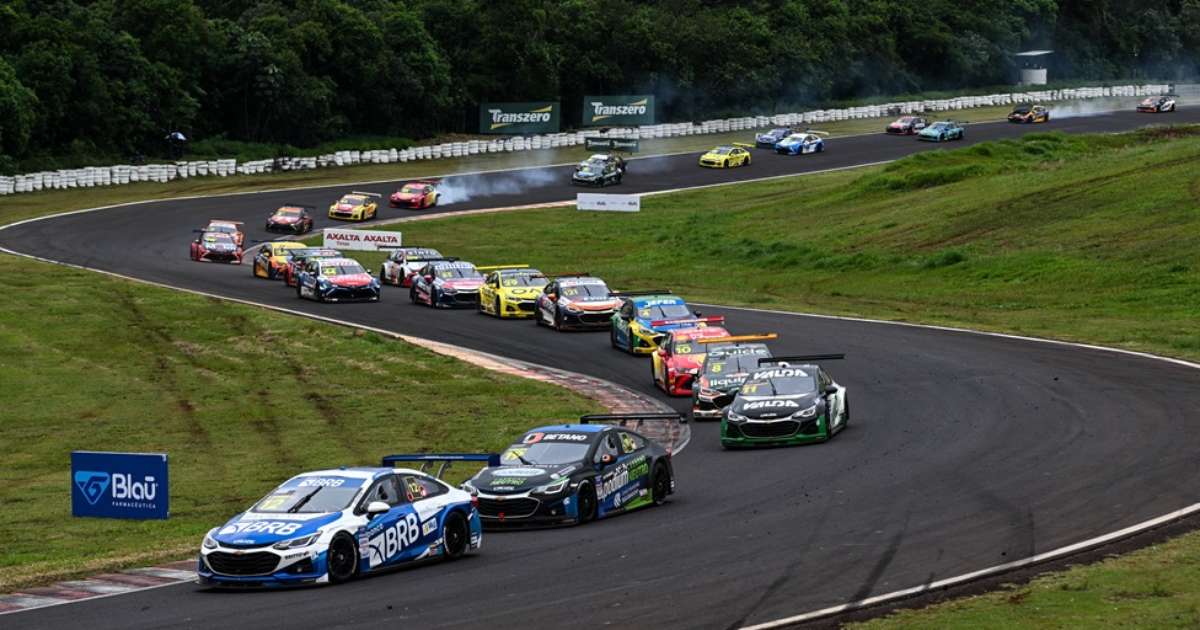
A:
(726, 365)
(906, 125)
(677, 361)
(329, 526)
(1029, 114)
(786, 400)
(292, 219)
(356, 206)
(644, 318)
(767, 140)
(510, 290)
(216, 247)
(297, 258)
(446, 284)
(336, 280)
(599, 170)
(1157, 104)
(941, 132)
(272, 259)
(726, 156)
(416, 195)
(576, 301)
(574, 473)
(404, 263)
(803, 142)
(232, 228)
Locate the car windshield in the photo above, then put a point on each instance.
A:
(287, 212)
(779, 132)
(664, 311)
(905, 120)
(941, 125)
(721, 150)
(778, 381)
(796, 136)
(343, 269)
(414, 255)
(223, 228)
(351, 201)
(586, 291)
(218, 239)
(310, 495)
(1023, 109)
(531, 278)
(457, 272)
(722, 364)
(544, 454)
(412, 189)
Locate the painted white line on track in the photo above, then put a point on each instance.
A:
(37, 603)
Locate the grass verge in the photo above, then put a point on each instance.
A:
(239, 397)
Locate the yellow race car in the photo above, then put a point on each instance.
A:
(511, 290)
(726, 156)
(272, 258)
(356, 206)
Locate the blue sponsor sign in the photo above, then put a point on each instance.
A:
(119, 485)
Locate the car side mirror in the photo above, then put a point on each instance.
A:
(697, 314)
(606, 459)
(375, 508)
(831, 390)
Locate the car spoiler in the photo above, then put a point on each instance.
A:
(227, 221)
(443, 460)
(581, 274)
(816, 132)
(743, 145)
(738, 338)
(298, 205)
(799, 358)
(640, 292)
(712, 319)
(669, 429)
(368, 194)
(433, 182)
(495, 267)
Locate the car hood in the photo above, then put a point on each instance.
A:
(772, 408)
(515, 479)
(354, 280)
(591, 305)
(727, 383)
(278, 219)
(767, 137)
(346, 207)
(404, 195)
(463, 284)
(930, 131)
(252, 529)
(526, 293)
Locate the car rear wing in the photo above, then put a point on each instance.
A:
(442, 460)
(801, 358)
(495, 267)
(431, 181)
(227, 221)
(669, 429)
(816, 132)
(365, 194)
(712, 319)
(739, 338)
(302, 206)
(580, 274)
(743, 145)
(640, 292)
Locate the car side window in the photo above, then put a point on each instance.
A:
(631, 443)
(387, 490)
(608, 446)
(824, 380)
(627, 310)
(418, 487)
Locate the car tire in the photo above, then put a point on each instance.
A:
(412, 295)
(497, 307)
(558, 325)
(586, 498)
(846, 414)
(660, 484)
(612, 337)
(383, 276)
(342, 559)
(456, 535)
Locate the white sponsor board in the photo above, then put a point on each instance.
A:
(362, 240)
(609, 203)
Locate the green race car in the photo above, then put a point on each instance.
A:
(943, 131)
(786, 401)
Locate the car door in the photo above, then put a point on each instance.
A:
(488, 292)
(635, 455)
(390, 537)
(660, 358)
(624, 316)
(548, 302)
(428, 499)
(834, 403)
(609, 480)
(308, 279)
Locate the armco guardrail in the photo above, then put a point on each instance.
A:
(124, 174)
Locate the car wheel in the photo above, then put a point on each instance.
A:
(612, 336)
(558, 324)
(586, 496)
(846, 414)
(660, 484)
(383, 276)
(497, 307)
(820, 147)
(630, 340)
(342, 558)
(455, 535)
(412, 295)
(942, 138)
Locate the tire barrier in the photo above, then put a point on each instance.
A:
(120, 175)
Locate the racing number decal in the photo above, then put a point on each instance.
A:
(749, 388)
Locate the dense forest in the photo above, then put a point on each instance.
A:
(112, 77)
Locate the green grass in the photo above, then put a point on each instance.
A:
(239, 397)
(1089, 238)
(1152, 588)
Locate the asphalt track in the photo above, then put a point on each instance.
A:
(964, 451)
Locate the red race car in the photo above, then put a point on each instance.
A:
(297, 258)
(232, 228)
(679, 356)
(292, 218)
(416, 195)
(216, 247)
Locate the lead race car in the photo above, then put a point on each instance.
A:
(1026, 113)
(726, 156)
(416, 195)
(644, 318)
(906, 125)
(728, 363)
(291, 218)
(785, 401)
(1157, 104)
(601, 169)
(574, 473)
(329, 526)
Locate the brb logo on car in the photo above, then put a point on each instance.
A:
(119, 485)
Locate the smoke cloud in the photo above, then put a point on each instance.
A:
(458, 189)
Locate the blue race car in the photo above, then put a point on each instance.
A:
(574, 473)
(329, 526)
(802, 142)
(336, 280)
(644, 317)
(942, 131)
(769, 139)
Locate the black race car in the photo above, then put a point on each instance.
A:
(728, 362)
(599, 170)
(576, 301)
(575, 473)
(786, 400)
(1157, 104)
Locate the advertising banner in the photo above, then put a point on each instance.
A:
(519, 118)
(119, 485)
(628, 145)
(618, 111)
(360, 240)
(608, 203)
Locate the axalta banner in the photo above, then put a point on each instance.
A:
(361, 240)
(618, 111)
(519, 118)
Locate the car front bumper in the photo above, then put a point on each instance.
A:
(785, 432)
(260, 568)
(500, 511)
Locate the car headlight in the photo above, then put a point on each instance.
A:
(449, 290)
(209, 541)
(806, 413)
(296, 543)
(553, 487)
(735, 417)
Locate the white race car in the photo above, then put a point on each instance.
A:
(404, 262)
(329, 526)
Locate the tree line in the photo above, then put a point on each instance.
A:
(113, 77)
